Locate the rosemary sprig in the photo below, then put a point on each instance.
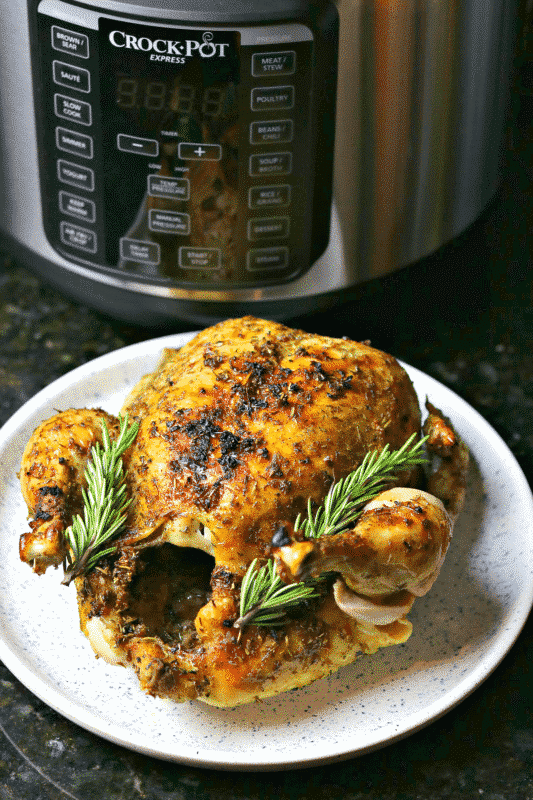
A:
(345, 499)
(265, 599)
(104, 502)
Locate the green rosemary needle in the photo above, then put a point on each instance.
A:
(104, 502)
(265, 599)
(345, 499)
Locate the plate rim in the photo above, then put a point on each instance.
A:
(213, 758)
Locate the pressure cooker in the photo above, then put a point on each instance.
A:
(193, 159)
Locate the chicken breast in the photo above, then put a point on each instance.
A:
(237, 429)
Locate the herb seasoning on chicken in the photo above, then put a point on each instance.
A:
(241, 433)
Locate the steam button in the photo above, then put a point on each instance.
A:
(71, 76)
(282, 63)
(75, 44)
(263, 259)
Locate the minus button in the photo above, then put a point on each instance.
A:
(137, 144)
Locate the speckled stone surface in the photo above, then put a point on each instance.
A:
(464, 316)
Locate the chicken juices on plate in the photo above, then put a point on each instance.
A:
(238, 431)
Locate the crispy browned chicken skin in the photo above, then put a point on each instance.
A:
(237, 430)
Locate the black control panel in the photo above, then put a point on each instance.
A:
(183, 154)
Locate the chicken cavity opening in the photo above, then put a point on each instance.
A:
(172, 585)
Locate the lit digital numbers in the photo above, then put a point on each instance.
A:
(175, 96)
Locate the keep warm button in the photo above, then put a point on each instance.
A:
(272, 98)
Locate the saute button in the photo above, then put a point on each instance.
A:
(198, 151)
(169, 222)
(269, 196)
(76, 236)
(276, 131)
(267, 258)
(199, 257)
(272, 98)
(136, 144)
(282, 63)
(74, 175)
(74, 77)
(75, 44)
(270, 164)
(268, 228)
(76, 143)
(72, 109)
(137, 250)
(76, 206)
(168, 187)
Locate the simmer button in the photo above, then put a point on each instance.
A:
(73, 142)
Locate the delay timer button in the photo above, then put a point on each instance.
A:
(283, 63)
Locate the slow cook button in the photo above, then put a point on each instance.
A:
(281, 63)
(269, 196)
(272, 98)
(76, 206)
(199, 257)
(78, 237)
(76, 143)
(72, 109)
(169, 222)
(137, 250)
(268, 228)
(262, 259)
(274, 131)
(74, 175)
(69, 75)
(137, 144)
(75, 44)
(178, 188)
(270, 164)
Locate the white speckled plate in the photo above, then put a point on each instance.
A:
(462, 629)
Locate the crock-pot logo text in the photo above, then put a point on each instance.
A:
(175, 50)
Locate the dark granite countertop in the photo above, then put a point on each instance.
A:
(465, 316)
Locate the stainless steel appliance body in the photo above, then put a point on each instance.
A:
(163, 160)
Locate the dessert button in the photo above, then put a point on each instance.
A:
(268, 228)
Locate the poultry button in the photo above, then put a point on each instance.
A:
(272, 98)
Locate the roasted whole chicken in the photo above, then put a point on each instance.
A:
(238, 429)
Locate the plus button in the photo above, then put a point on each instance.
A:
(200, 152)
